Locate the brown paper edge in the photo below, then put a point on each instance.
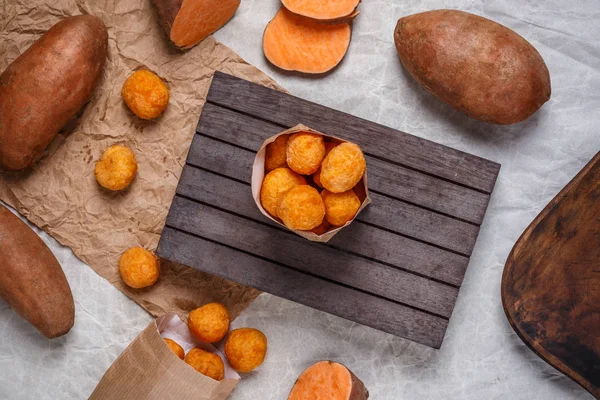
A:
(148, 369)
(258, 174)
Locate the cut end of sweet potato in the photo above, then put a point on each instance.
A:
(295, 43)
(322, 10)
(328, 380)
(188, 22)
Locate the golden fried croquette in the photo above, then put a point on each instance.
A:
(301, 208)
(145, 94)
(206, 363)
(343, 168)
(340, 207)
(139, 268)
(209, 323)
(317, 178)
(116, 168)
(275, 185)
(305, 152)
(275, 156)
(246, 349)
(175, 347)
(323, 228)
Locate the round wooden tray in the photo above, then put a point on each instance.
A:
(551, 281)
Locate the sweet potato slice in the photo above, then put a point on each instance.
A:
(295, 43)
(328, 380)
(188, 22)
(322, 10)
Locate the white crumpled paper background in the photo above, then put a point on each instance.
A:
(481, 357)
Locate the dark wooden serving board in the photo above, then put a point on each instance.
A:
(397, 268)
(551, 281)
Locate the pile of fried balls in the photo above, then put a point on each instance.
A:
(310, 181)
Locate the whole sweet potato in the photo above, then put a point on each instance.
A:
(47, 85)
(31, 279)
(475, 65)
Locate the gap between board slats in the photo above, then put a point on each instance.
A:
(386, 143)
(268, 276)
(363, 240)
(388, 179)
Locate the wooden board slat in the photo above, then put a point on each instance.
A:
(403, 218)
(399, 182)
(324, 261)
(369, 241)
(339, 300)
(398, 267)
(387, 143)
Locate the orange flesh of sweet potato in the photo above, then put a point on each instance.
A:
(197, 19)
(295, 43)
(323, 10)
(327, 380)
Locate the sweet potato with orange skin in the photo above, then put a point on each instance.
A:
(296, 43)
(32, 281)
(475, 65)
(188, 22)
(323, 10)
(328, 380)
(47, 85)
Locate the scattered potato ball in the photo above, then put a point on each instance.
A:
(275, 185)
(139, 268)
(323, 228)
(209, 323)
(145, 94)
(276, 153)
(343, 168)
(305, 152)
(206, 363)
(301, 208)
(340, 207)
(175, 348)
(246, 349)
(116, 168)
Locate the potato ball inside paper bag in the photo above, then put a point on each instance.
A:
(305, 210)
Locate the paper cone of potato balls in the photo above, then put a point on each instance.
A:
(311, 183)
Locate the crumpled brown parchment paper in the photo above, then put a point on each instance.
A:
(60, 194)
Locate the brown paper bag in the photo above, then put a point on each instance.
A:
(258, 174)
(147, 369)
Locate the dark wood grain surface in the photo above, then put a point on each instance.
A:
(397, 268)
(551, 281)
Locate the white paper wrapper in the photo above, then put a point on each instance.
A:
(258, 174)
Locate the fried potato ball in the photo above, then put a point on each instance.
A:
(175, 347)
(276, 153)
(323, 228)
(206, 363)
(340, 207)
(343, 168)
(116, 168)
(145, 94)
(305, 152)
(302, 208)
(209, 323)
(317, 178)
(246, 349)
(275, 185)
(139, 268)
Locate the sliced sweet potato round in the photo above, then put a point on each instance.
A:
(322, 10)
(295, 43)
(328, 380)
